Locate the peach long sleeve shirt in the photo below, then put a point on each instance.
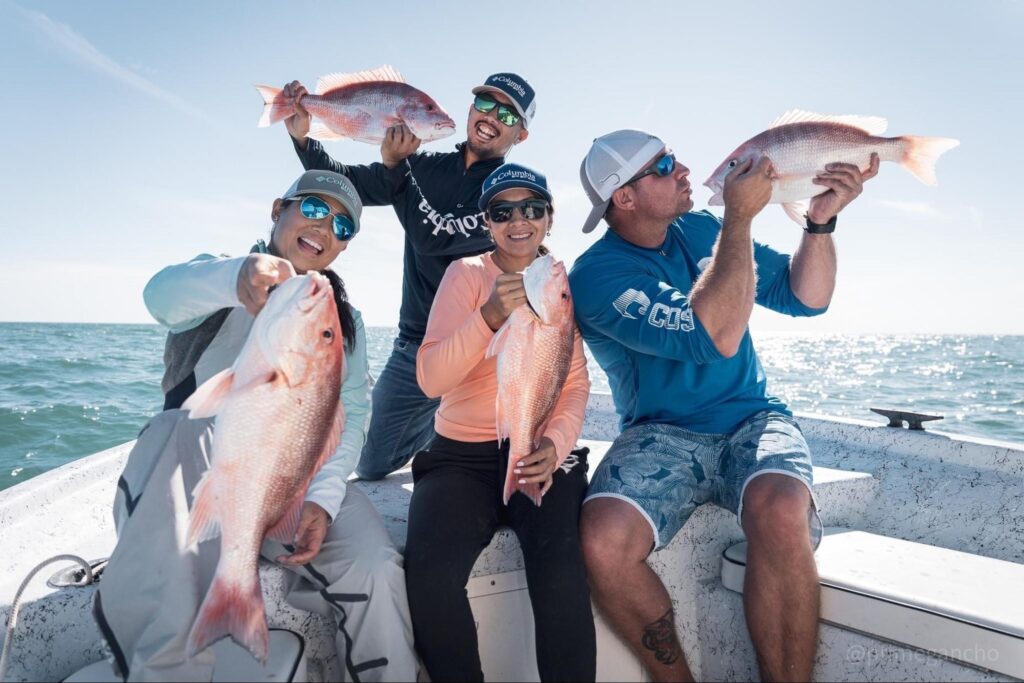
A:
(451, 363)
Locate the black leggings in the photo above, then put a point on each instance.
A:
(455, 510)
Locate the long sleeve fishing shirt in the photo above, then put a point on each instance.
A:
(183, 297)
(633, 309)
(435, 198)
(451, 363)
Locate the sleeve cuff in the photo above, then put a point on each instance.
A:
(330, 501)
(398, 171)
(481, 325)
(562, 445)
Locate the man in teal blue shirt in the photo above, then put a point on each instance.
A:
(663, 300)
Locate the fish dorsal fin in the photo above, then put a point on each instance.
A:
(872, 125)
(381, 73)
(333, 436)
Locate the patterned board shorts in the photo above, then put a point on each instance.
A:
(666, 471)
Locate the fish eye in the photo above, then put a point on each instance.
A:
(328, 334)
(732, 164)
(430, 107)
(565, 296)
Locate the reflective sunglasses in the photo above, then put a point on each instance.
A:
(662, 167)
(530, 209)
(317, 209)
(506, 113)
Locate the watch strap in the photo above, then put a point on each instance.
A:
(820, 228)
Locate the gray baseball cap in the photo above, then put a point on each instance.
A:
(332, 185)
(612, 160)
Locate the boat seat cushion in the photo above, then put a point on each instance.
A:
(962, 606)
(285, 662)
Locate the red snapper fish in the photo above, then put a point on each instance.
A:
(279, 417)
(800, 143)
(362, 106)
(534, 350)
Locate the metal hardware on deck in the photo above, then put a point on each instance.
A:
(76, 576)
(913, 420)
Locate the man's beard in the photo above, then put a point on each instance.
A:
(483, 153)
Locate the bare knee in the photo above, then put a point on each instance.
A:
(775, 511)
(613, 536)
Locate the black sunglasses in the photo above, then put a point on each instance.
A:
(530, 209)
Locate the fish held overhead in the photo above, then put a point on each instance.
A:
(279, 417)
(362, 106)
(800, 144)
(534, 349)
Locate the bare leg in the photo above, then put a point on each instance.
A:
(616, 540)
(781, 590)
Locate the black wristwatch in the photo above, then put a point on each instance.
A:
(820, 228)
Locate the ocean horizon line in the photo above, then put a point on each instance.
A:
(774, 332)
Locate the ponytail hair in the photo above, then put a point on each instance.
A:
(348, 323)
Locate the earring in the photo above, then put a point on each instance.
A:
(548, 233)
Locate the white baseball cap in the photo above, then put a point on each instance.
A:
(612, 160)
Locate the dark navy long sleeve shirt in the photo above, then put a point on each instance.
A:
(435, 198)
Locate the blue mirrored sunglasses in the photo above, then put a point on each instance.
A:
(662, 167)
(317, 210)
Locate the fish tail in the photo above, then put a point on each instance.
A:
(920, 155)
(274, 106)
(231, 609)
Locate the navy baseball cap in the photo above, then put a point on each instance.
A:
(515, 87)
(511, 176)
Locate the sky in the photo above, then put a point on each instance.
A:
(128, 137)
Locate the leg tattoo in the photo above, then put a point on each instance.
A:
(660, 638)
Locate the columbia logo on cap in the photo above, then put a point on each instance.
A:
(512, 173)
(510, 83)
(328, 179)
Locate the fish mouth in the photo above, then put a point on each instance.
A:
(317, 290)
(444, 125)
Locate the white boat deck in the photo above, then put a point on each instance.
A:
(951, 492)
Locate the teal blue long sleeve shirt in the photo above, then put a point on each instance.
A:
(633, 310)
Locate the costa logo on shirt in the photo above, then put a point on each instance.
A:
(634, 304)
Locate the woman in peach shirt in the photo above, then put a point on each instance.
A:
(457, 500)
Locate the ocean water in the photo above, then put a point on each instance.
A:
(70, 390)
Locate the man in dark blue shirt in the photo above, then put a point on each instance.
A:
(663, 300)
(435, 197)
